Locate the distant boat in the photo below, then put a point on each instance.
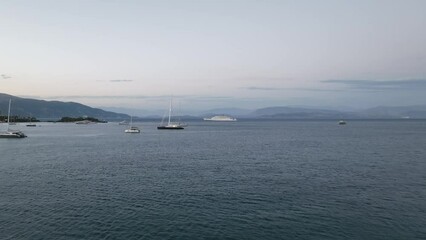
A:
(132, 129)
(84, 122)
(123, 123)
(11, 133)
(341, 122)
(30, 124)
(221, 118)
(170, 125)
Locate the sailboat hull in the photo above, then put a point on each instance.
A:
(12, 135)
(132, 130)
(170, 127)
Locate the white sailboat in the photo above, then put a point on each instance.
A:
(170, 125)
(132, 129)
(11, 133)
(30, 124)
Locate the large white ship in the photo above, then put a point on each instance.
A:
(221, 118)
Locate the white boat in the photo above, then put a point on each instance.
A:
(341, 122)
(30, 124)
(123, 123)
(11, 133)
(221, 118)
(84, 122)
(171, 125)
(132, 129)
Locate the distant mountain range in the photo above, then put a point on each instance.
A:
(395, 112)
(382, 112)
(299, 113)
(55, 110)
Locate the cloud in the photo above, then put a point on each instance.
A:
(4, 76)
(120, 80)
(409, 84)
(263, 88)
(136, 97)
(106, 97)
(291, 89)
(209, 98)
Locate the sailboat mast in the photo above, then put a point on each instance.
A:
(8, 115)
(170, 111)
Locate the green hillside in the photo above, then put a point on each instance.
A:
(41, 109)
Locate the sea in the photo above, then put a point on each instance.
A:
(216, 180)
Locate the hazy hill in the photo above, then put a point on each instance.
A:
(299, 113)
(281, 112)
(228, 111)
(395, 112)
(53, 109)
(137, 112)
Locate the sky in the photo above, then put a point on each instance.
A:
(215, 53)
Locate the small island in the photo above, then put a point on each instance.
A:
(81, 120)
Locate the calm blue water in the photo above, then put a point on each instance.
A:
(245, 180)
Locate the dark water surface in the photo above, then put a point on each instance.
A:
(244, 180)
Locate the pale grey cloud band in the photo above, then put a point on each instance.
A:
(409, 84)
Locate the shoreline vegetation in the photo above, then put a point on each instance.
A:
(18, 119)
(80, 119)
